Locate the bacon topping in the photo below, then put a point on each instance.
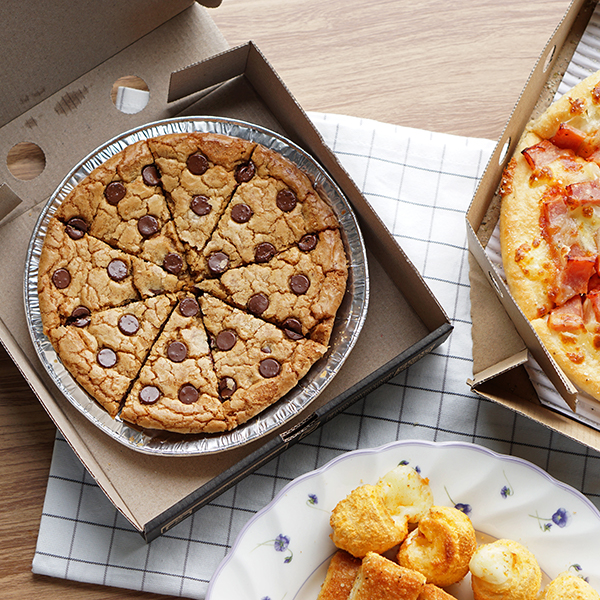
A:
(574, 277)
(568, 317)
(568, 137)
(586, 193)
(542, 154)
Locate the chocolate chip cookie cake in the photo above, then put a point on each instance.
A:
(191, 280)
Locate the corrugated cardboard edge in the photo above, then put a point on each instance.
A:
(492, 362)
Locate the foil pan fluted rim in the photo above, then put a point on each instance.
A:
(349, 320)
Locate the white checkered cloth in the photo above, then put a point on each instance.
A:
(421, 184)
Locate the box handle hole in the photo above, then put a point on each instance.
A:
(26, 161)
(495, 284)
(130, 94)
(504, 152)
(549, 58)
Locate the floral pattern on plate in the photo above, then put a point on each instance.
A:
(505, 497)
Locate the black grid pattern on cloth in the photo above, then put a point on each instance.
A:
(420, 183)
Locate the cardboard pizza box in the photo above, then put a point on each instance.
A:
(499, 371)
(189, 70)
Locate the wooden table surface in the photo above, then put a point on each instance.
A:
(453, 67)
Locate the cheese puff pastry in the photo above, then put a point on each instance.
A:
(381, 579)
(361, 523)
(433, 592)
(567, 585)
(340, 577)
(406, 493)
(375, 518)
(441, 546)
(504, 570)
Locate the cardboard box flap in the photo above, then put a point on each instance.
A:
(59, 125)
(47, 47)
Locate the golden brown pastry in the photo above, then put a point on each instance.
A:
(433, 592)
(381, 579)
(374, 518)
(340, 576)
(441, 546)
(504, 570)
(567, 585)
(361, 523)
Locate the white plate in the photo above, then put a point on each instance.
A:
(284, 550)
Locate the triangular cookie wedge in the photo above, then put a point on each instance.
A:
(198, 174)
(255, 362)
(104, 350)
(122, 203)
(274, 206)
(300, 289)
(177, 388)
(84, 271)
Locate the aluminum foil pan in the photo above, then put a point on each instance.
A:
(349, 321)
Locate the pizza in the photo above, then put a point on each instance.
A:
(191, 281)
(550, 231)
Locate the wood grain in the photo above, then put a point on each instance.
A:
(454, 67)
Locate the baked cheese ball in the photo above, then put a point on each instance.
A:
(230, 261)
(441, 546)
(504, 570)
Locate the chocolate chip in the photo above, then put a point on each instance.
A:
(241, 213)
(76, 228)
(150, 175)
(148, 226)
(264, 252)
(299, 284)
(173, 263)
(269, 367)
(292, 328)
(177, 351)
(266, 349)
(197, 163)
(200, 205)
(80, 317)
(61, 278)
(286, 200)
(245, 173)
(308, 242)
(188, 394)
(128, 324)
(258, 304)
(106, 358)
(117, 270)
(149, 394)
(188, 307)
(227, 387)
(114, 192)
(226, 340)
(218, 262)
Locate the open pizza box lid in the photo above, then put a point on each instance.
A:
(506, 351)
(189, 70)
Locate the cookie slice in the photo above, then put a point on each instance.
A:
(274, 206)
(177, 387)
(82, 271)
(104, 350)
(255, 362)
(300, 289)
(198, 173)
(122, 203)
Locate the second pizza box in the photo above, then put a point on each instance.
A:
(199, 75)
(511, 366)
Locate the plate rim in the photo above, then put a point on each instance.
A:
(349, 455)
